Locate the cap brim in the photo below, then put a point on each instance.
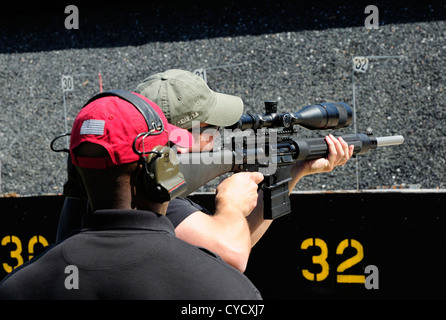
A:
(227, 111)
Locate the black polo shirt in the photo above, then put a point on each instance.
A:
(181, 208)
(74, 210)
(126, 254)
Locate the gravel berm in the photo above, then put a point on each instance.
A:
(298, 52)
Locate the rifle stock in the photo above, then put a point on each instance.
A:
(197, 171)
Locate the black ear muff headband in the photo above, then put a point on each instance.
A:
(152, 118)
(154, 123)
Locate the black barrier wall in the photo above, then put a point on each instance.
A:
(383, 245)
(354, 245)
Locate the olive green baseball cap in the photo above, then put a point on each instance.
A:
(185, 98)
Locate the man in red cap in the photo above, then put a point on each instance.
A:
(127, 248)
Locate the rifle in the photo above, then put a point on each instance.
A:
(267, 143)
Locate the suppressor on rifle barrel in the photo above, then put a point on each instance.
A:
(389, 141)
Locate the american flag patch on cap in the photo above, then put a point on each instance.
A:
(93, 126)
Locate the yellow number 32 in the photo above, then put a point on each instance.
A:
(321, 260)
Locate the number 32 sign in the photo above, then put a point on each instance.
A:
(371, 282)
(360, 64)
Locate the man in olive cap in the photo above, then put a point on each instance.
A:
(187, 101)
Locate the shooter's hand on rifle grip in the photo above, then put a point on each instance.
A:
(239, 191)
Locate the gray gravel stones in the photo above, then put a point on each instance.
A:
(257, 51)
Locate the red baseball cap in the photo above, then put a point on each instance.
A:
(114, 124)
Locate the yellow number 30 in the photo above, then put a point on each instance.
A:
(17, 253)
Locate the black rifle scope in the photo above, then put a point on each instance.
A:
(314, 117)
